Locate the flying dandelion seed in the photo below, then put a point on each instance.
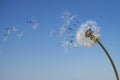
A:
(14, 29)
(33, 23)
(20, 34)
(52, 33)
(35, 26)
(6, 34)
(17, 32)
(65, 45)
(68, 17)
(62, 30)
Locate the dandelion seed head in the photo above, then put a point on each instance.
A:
(80, 35)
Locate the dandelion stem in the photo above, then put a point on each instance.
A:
(110, 59)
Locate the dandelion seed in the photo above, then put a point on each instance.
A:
(62, 30)
(70, 29)
(14, 29)
(74, 45)
(17, 32)
(20, 34)
(65, 45)
(6, 35)
(34, 24)
(68, 17)
(52, 33)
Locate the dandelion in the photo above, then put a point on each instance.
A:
(84, 35)
(88, 34)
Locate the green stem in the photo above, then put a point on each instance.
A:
(111, 61)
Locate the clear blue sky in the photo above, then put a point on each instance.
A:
(37, 56)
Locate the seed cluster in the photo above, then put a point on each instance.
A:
(90, 34)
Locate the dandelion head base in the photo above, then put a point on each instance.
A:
(90, 34)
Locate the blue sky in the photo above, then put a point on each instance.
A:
(37, 56)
